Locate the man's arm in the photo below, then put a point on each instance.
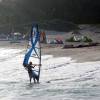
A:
(36, 65)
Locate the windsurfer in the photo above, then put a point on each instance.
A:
(31, 72)
(34, 50)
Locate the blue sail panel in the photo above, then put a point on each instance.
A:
(33, 50)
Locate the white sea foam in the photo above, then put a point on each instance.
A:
(61, 78)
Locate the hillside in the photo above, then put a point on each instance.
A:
(16, 13)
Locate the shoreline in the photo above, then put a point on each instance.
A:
(86, 54)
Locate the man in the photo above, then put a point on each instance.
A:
(32, 73)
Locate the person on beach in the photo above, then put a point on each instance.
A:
(31, 72)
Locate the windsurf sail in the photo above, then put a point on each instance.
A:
(33, 53)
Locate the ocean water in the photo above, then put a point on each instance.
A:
(61, 78)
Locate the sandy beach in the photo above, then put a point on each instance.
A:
(79, 54)
(85, 54)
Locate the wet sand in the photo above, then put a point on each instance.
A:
(85, 54)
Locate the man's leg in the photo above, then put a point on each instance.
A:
(34, 79)
(30, 79)
(37, 78)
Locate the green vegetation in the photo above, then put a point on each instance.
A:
(18, 15)
(84, 39)
(71, 39)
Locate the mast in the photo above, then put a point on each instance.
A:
(39, 57)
